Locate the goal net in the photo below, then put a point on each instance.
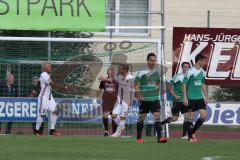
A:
(79, 63)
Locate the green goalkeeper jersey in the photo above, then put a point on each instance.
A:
(176, 82)
(194, 80)
(149, 81)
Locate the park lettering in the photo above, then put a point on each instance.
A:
(73, 8)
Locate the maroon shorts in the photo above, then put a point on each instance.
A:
(108, 103)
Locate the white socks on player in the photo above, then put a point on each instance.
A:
(53, 121)
(121, 124)
(120, 129)
(117, 120)
(39, 122)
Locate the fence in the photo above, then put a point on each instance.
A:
(78, 63)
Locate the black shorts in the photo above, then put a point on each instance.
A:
(195, 105)
(179, 107)
(149, 106)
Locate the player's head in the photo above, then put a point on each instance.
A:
(185, 66)
(124, 68)
(200, 60)
(110, 72)
(46, 67)
(151, 60)
(35, 80)
(10, 79)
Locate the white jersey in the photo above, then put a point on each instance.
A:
(46, 89)
(45, 98)
(125, 89)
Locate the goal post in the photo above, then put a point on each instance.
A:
(79, 63)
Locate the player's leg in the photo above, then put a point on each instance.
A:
(110, 111)
(38, 124)
(158, 127)
(123, 112)
(175, 114)
(41, 115)
(114, 125)
(52, 106)
(120, 127)
(184, 110)
(41, 129)
(53, 121)
(155, 110)
(140, 125)
(143, 110)
(185, 126)
(115, 114)
(105, 115)
(171, 119)
(192, 108)
(122, 122)
(105, 122)
(201, 107)
(200, 120)
(198, 124)
(190, 125)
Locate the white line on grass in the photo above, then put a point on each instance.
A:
(212, 158)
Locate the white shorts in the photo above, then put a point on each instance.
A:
(121, 109)
(44, 104)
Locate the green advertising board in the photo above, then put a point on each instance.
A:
(53, 15)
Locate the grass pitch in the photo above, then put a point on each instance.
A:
(29, 147)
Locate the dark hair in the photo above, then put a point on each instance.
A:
(150, 55)
(125, 66)
(185, 63)
(199, 57)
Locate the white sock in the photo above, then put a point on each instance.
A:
(120, 127)
(122, 123)
(53, 121)
(117, 120)
(39, 122)
(118, 130)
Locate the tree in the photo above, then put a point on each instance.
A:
(20, 56)
(227, 93)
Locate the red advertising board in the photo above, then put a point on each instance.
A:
(221, 46)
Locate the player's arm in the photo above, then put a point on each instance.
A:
(185, 99)
(170, 88)
(158, 87)
(48, 81)
(175, 95)
(99, 91)
(205, 93)
(204, 90)
(169, 85)
(138, 94)
(59, 87)
(184, 89)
